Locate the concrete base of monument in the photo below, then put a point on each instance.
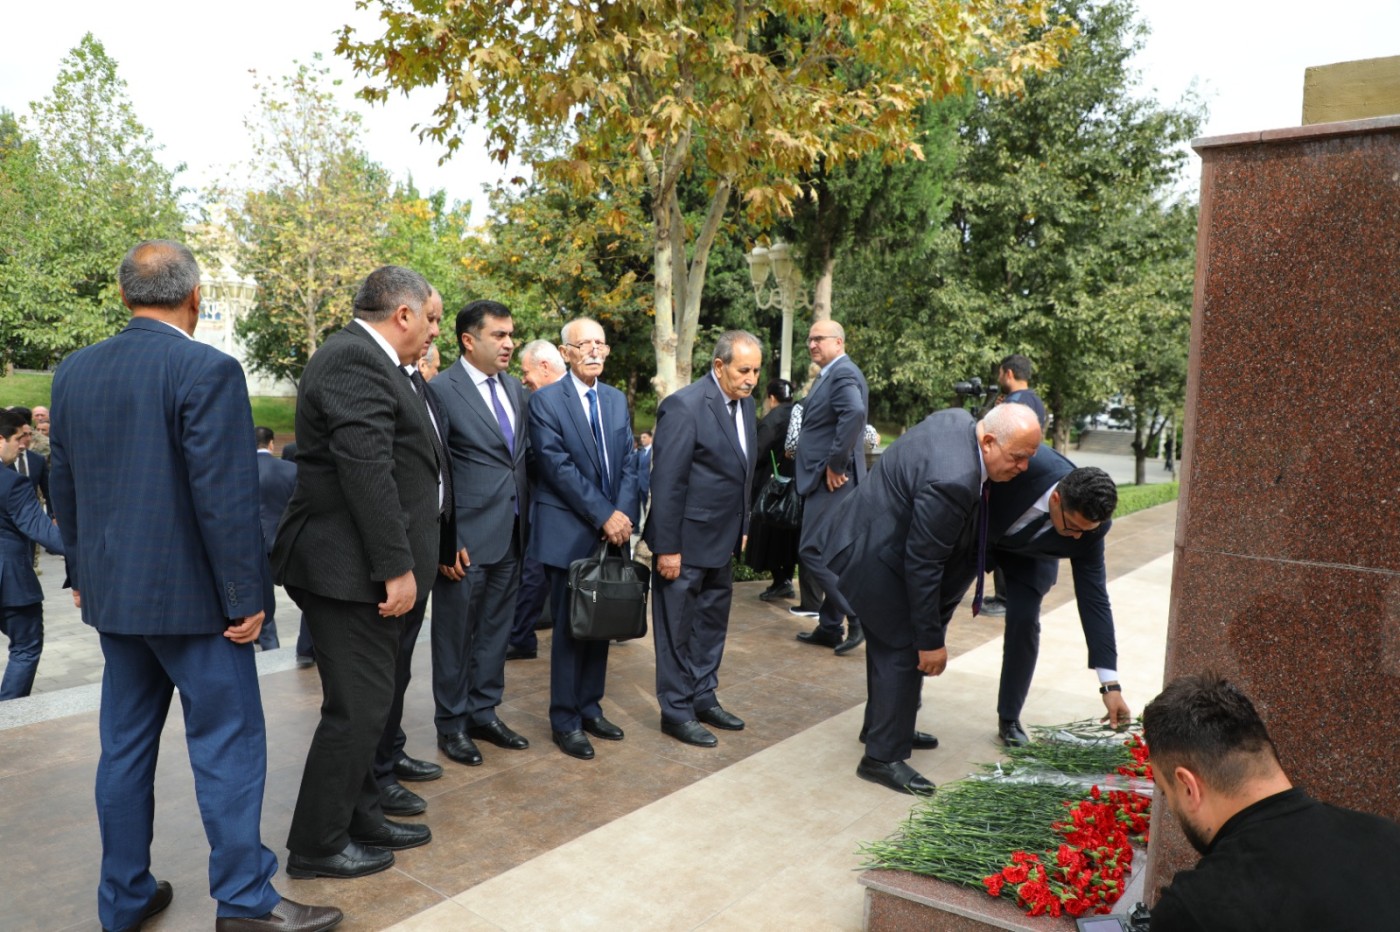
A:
(898, 901)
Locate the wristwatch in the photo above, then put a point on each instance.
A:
(1107, 688)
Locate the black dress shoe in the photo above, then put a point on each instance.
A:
(898, 776)
(498, 734)
(305, 660)
(355, 861)
(602, 728)
(820, 637)
(774, 593)
(855, 636)
(718, 718)
(460, 748)
(398, 800)
(993, 607)
(416, 771)
(574, 744)
(1011, 733)
(158, 901)
(801, 612)
(395, 836)
(689, 732)
(521, 653)
(923, 741)
(286, 916)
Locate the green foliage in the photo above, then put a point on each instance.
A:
(312, 228)
(1133, 498)
(79, 186)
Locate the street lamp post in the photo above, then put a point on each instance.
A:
(776, 263)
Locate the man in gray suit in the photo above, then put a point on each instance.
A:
(483, 427)
(701, 477)
(904, 549)
(358, 550)
(830, 465)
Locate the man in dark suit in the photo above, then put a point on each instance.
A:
(904, 549)
(705, 447)
(276, 480)
(358, 550)
(581, 440)
(482, 420)
(1049, 512)
(1014, 380)
(22, 525)
(830, 465)
(540, 365)
(165, 559)
(29, 464)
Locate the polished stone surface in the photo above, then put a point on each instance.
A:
(1288, 543)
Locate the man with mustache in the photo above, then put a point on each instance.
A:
(703, 457)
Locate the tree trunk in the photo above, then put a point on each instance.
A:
(663, 334)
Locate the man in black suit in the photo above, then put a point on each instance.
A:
(702, 475)
(1049, 512)
(481, 410)
(276, 480)
(830, 465)
(32, 466)
(358, 550)
(904, 550)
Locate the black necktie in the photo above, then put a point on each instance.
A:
(981, 552)
(420, 385)
(738, 426)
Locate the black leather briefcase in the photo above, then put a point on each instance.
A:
(608, 595)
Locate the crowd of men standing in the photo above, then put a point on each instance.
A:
(479, 490)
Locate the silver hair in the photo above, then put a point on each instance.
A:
(158, 273)
(724, 346)
(542, 351)
(1004, 421)
(389, 287)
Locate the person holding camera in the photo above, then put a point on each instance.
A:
(1272, 856)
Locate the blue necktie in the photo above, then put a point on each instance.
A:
(597, 426)
(501, 417)
(981, 552)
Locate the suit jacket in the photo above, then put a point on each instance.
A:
(701, 480)
(489, 480)
(365, 508)
(570, 504)
(902, 541)
(833, 420)
(1036, 562)
(38, 471)
(276, 480)
(22, 521)
(155, 483)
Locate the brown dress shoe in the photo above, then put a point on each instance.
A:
(286, 916)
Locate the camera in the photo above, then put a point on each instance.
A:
(983, 396)
(1138, 919)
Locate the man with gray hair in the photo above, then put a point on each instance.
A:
(358, 549)
(540, 364)
(166, 560)
(904, 548)
(703, 454)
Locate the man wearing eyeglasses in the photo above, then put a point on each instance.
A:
(1050, 512)
(830, 464)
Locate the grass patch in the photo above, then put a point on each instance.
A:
(277, 414)
(26, 389)
(1133, 498)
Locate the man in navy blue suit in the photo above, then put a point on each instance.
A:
(1050, 512)
(705, 446)
(581, 435)
(155, 491)
(276, 480)
(22, 524)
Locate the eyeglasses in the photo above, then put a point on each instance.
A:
(591, 346)
(1064, 522)
(811, 340)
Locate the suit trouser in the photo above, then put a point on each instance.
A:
(391, 743)
(578, 670)
(893, 686)
(1020, 645)
(472, 621)
(357, 653)
(267, 637)
(24, 626)
(225, 734)
(816, 512)
(529, 603)
(690, 618)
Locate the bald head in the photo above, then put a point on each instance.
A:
(1008, 436)
(158, 273)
